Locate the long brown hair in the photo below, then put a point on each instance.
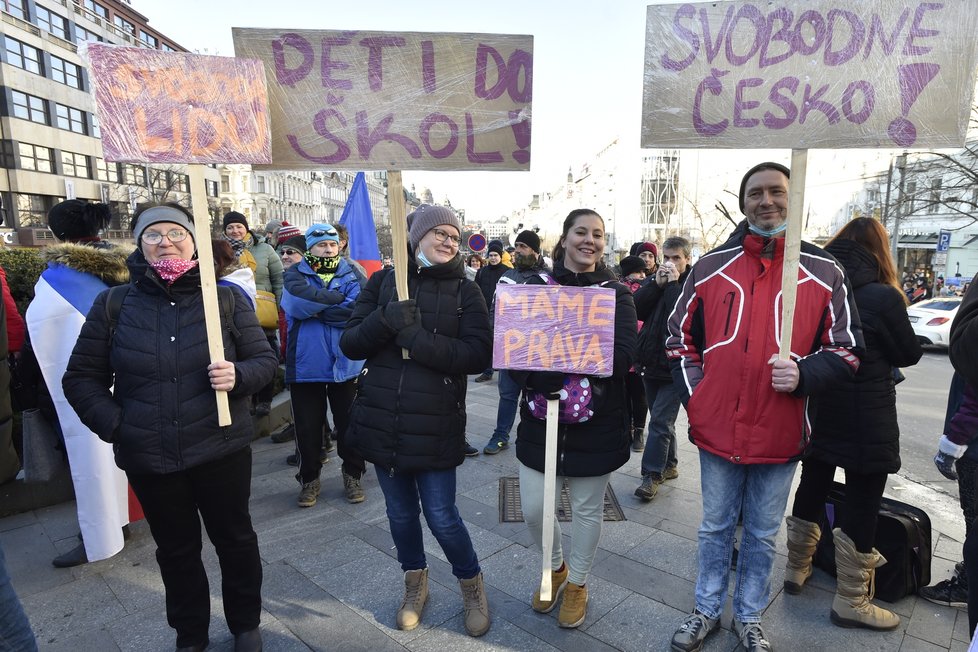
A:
(873, 237)
(569, 222)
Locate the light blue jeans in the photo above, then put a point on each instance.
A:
(660, 447)
(587, 514)
(509, 398)
(15, 630)
(761, 492)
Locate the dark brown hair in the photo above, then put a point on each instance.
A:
(873, 237)
(569, 222)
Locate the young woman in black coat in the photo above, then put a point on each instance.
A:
(587, 452)
(408, 417)
(856, 429)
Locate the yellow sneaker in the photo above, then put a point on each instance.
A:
(573, 610)
(558, 580)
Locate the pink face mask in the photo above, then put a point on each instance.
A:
(170, 269)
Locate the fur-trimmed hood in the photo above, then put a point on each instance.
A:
(106, 263)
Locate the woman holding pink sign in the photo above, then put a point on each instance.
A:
(591, 442)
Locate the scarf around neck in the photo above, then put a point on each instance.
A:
(170, 269)
(324, 267)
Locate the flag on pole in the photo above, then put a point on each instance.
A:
(359, 222)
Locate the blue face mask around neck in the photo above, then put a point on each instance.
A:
(769, 233)
(423, 259)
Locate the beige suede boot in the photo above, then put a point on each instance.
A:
(856, 586)
(415, 597)
(803, 537)
(476, 606)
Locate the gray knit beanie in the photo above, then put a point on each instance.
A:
(426, 217)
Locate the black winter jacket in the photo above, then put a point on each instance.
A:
(487, 277)
(856, 419)
(963, 351)
(409, 415)
(601, 444)
(161, 416)
(654, 304)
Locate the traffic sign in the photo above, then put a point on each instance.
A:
(477, 242)
(944, 241)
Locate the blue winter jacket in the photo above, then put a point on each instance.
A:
(316, 315)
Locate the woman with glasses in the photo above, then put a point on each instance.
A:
(161, 420)
(409, 414)
(320, 291)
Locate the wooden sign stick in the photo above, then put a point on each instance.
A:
(549, 497)
(395, 200)
(792, 248)
(208, 281)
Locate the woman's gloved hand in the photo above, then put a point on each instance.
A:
(400, 314)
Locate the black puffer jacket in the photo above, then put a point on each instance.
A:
(601, 444)
(856, 420)
(162, 415)
(654, 304)
(409, 415)
(487, 278)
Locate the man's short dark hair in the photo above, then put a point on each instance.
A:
(767, 165)
(680, 243)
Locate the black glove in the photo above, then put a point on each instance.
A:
(945, 464)
(548, 383)
(400, 314)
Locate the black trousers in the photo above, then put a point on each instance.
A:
(864, 493)
(174, 504)
(968, 495)
(309, 414)
(635, 400)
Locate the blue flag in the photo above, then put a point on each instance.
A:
(358, 219)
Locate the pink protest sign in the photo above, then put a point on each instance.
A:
(174, 107)
(354, 100)
(554, 328)
(817, 74)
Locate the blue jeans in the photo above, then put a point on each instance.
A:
(15, 630)
(509, 399)
(407, 494)
(761, 491)
(660, 447)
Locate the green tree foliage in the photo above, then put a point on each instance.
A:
(23, 267)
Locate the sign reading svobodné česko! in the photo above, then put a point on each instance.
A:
(396, 100)
(823, 73)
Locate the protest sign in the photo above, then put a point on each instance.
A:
(554, 328)
(174, 107)
(830, 74)
(395, 100)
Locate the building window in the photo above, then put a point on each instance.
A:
(124, 25)
(82, 35)
(35, 157)
(96, 130)
(52, 22)
(149, 39)
(69, 118)
(211, 188)
(159, 179)
(29, 107)
(23, 56)
(225, 183)
(75, 165)
(96, 8)
(181, 182)
(935, 195)
(168, 48)
(106, 171)
(134, 174)
(31, 210)
(14, 8)
(65, 72)
(260, 183)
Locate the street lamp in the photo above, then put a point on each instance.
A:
(901, 165)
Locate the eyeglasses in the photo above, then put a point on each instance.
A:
(441, 236)
(291, 252)
(155, 237)
(318, 233)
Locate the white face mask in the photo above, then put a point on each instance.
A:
(769, 232)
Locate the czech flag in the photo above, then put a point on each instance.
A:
(359, 222)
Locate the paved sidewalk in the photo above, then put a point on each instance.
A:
(332, 583)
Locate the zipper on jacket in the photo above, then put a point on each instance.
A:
(730, 296)
(397, 417)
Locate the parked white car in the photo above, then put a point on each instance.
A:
(931, 320)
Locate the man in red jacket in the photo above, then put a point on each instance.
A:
(748, 411)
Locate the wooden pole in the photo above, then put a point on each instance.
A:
(549, 497)
(395, 201)
(792, 248)
(208, 281)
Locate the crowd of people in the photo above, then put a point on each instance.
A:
(393, 371)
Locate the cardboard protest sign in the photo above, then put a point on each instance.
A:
(554, 328)
(174, 107)
(824, 73)
(395, 100)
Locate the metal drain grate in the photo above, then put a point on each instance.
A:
(510, 510)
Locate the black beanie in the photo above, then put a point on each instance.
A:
(234, 217)
(757, 168)
(295, 242)
(497, 246)
(75, 219)
(530, 239)
(631, 264)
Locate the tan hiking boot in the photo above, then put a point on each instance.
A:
(476, 606)
(803, 538)
(415, 597)
(855, 587)
(309, 493)
(573, 610)
(558, 580)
